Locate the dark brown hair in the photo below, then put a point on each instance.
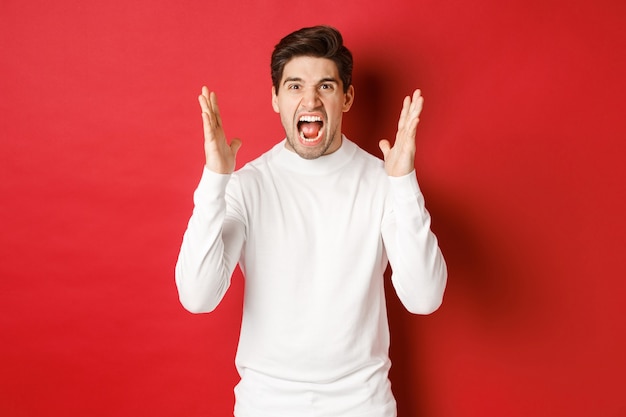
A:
(316, 41)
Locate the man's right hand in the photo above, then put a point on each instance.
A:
(220, 156)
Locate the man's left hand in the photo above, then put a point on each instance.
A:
(400, 159)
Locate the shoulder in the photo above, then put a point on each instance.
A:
(258, 165)
(365, 161)
(248, 181)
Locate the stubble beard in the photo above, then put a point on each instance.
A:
(313, 152)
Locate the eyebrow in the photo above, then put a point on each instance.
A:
(323, 80)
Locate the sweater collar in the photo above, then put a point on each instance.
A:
(323, 165)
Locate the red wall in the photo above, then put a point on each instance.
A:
(521, 150)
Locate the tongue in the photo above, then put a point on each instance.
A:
(310, 130)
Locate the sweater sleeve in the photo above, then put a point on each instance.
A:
(419, 272)
(210, 248)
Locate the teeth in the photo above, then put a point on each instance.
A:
(310, 119)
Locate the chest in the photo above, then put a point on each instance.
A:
(295, 207)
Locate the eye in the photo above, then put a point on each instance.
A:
(293, 87)
(326, 86)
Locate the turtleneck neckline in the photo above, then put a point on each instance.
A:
(325, 164)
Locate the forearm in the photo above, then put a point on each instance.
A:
(419, 272)
(210, 247)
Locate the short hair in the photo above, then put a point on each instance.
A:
(316, 41)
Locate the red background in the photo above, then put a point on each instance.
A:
(520, 156)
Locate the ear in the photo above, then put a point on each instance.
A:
(349, 99)
(275, 100)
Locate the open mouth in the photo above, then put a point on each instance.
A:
(310, 129)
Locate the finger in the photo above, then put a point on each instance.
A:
(409, 124)
(208, 117)
(416, 95)
(207, 128)
(406, 105)
(204, 105)
(204, 98)
(235, 144)
(417, 103)
(216, 109)
(205, 92)
(411, 128)
(384, 146)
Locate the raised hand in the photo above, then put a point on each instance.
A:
(220, 156)
(400, 159)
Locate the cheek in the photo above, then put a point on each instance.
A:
(285, 107)
(335, 110)
(286, 120)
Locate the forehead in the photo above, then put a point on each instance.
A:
(309, 68)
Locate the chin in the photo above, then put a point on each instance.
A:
(309, 153)
(312, 151)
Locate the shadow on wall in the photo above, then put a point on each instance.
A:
(474, 267)
(374, 116)
(368, 118)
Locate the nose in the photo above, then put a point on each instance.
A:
(310, 98)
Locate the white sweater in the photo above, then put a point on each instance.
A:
(312, 238)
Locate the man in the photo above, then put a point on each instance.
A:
(312, 224)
